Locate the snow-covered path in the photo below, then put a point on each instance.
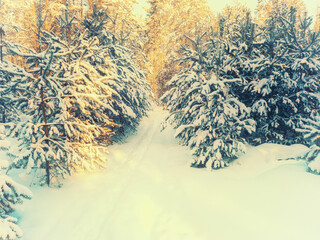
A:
(148, 192)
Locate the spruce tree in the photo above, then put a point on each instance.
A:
(131, 93)
(46, 128)
(60, 96)
(208, 118)
(7, 71)
(84, 65)
(240, 53)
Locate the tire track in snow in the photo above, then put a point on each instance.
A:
(135, 157)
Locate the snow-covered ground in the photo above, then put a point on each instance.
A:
(148, 191)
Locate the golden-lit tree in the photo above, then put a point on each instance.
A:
(267, 7)
(167, 24)
(124, 24)
(317, 22)
(120, 12)
(25, 14)
(74, 81)
(230, 18)
(12, 15)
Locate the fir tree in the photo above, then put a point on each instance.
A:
(84, 65)
(54, 136)
(131, 94)
(208, 118)
(46, 128)
(239, 56)
(6, 73)
(72, 85)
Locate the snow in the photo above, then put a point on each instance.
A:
(148, 191)
(315, 164)
(4, 145)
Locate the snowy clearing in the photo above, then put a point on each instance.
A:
(148, 191)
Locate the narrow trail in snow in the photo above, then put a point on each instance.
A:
(148, 192)
(100, 205)
(135, 158)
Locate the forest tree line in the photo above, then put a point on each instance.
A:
(249, 79)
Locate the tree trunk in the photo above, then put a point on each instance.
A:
(1, 54)
(4, 115)
(46, 129)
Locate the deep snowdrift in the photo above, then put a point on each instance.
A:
(148, 191)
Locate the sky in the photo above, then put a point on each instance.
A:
(218, 5)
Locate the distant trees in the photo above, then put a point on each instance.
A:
(229, 20)
(268, 9)
(317, 21)
(166, 25)
(24, 14)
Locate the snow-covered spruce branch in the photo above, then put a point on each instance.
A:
(11, 193)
